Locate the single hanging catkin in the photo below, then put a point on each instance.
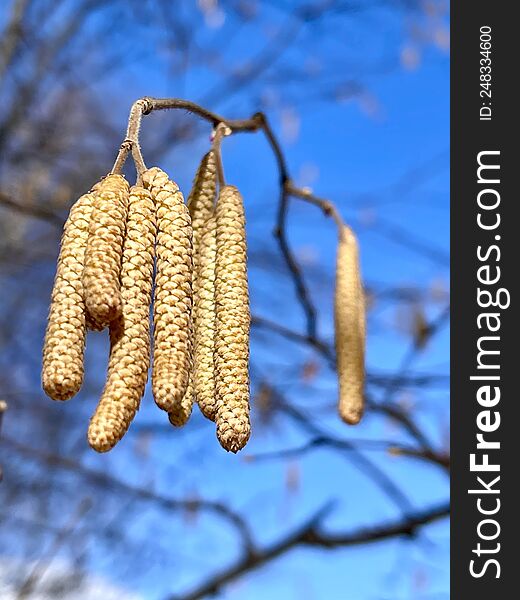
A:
(104, 250)
(173, 297)
(232, 322)
(62, 373)
(204, 314)
(201, 202)
(129, 334)
(349, 313)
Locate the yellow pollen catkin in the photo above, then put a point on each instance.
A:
(349, 313)
(62, 373)
(232, 322)
(129, 334)
(181, 412)
(201, 204)
(173, 296)
(204, 314)
(201, 201)
(104, 250)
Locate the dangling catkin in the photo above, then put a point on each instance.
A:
(104, 250)
(204, 315)
(129, 334)
(201, 200)
(349, 312)
(173, 296)
(62, 373)
(182, 410)
(232, 322)
(200, 204)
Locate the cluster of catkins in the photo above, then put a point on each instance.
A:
(119, 245)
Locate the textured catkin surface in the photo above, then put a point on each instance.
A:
(104, 250)
(173, 296)
(232, 323)
(62, 373)
(204, 315)
(130, 334)
(182, 410)
(92, 324)
(349, 314)
(201, 202)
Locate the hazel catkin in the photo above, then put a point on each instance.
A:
(349, 315)
(104, 250)
(173, 296)
(180, 413)
(232, 322)
(204, 316)
(129, 334)
(62, 373)
(201, 201)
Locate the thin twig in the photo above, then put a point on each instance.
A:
(101, 478)
(3, 408)
(37, 212)
(358, 459)
(322, 348)
(323, 441)
(221, 130)
(40, 568)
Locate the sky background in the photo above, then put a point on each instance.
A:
(382, 157)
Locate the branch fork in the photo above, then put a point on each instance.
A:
(223, 127)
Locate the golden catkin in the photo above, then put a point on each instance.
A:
(349, 313)
(204, 315)
(201, 200)
(62, 373)
(181, 412)
(232, 322)
(173, 295)
(129, 334)
(104, 250)
(201, 203)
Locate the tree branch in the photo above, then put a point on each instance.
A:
(142, 493)
(258, 122)
(393, 448)
(3, 408)
(311, 534)
(33, 211)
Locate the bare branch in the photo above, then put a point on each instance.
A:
(3, 408)
(311, 534)
(37, 212)
(258, 122)
(12, 35)
(392, 448)
(364, 464)
(321, 347)
(103, 479)
(39, 569)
